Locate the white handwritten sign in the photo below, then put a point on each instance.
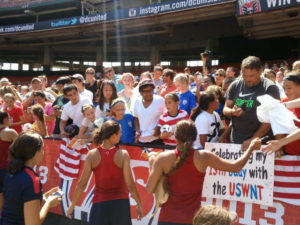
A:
(254, 183)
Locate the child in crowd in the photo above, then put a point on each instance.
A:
(107, 93)
(187, 100)
(214, 215)
(170, 118)
(39, 97)
(217, 90)
(88, 123)
(127, 92)
(208, 122)
(125, 120)
(39, 124)
(16, 114)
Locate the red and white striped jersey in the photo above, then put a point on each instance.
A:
(166, 119)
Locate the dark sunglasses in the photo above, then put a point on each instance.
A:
(108, 71)
(90, 73)
(218, 74)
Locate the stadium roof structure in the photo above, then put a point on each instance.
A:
(131, 30)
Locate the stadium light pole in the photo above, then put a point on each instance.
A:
(30, 12)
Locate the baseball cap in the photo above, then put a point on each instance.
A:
(77, 76)
(63, 80)
(36, 79)
(145, 83)
(4, 80)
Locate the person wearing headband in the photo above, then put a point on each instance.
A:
(126, 120)
(291, 86)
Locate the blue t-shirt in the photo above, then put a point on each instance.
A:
(127, 125)
(187, 101)
(18, 189)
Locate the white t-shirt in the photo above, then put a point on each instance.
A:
(148, 117)
(209, 124)
(88, 94)
(87, 123)
(100, 113)
(73, 112)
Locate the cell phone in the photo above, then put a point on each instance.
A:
(59, 193)
(264, 140)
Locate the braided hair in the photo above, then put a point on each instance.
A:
(185, 134)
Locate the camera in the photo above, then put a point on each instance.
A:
(208, 55)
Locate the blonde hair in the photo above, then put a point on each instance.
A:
(181, 78)
(9, 95)
(296, 65)
(222, 71)
(128, 75)
(213, 215)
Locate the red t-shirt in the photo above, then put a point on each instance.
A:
(294, 147)
(15, 113)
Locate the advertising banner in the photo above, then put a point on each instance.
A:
(285, 209)
(153, 9)
(253, 184)
(246, 7)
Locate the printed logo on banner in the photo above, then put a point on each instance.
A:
(60, 23)
(132, 12)
(249, 6)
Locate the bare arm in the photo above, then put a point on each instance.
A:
(43, 128)
(62, 125)
(275, 145)
(131, 184)
(87, 171)
(82, 131)
(293, 104)
(203, 138)
(34, 214)
(155, 173)
(216, 162)
(137, 129)
(262, 130)
(22, 121)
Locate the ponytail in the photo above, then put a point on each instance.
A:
(185, 134)
(106, 130)
(185, 152)
(203, 104)
(24, 149)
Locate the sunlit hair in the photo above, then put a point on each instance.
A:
(106, 130)
(181, 78)
(10, 96)
(185, 135)
(205, 99)
(38, 110)
(172, 96)
(86, 107)
(128, 75)
(252, 63)
(213, 215)
(102, 99)
(24, 149)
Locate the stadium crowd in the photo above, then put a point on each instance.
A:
(161, 107)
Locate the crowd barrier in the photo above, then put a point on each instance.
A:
(250, 214)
